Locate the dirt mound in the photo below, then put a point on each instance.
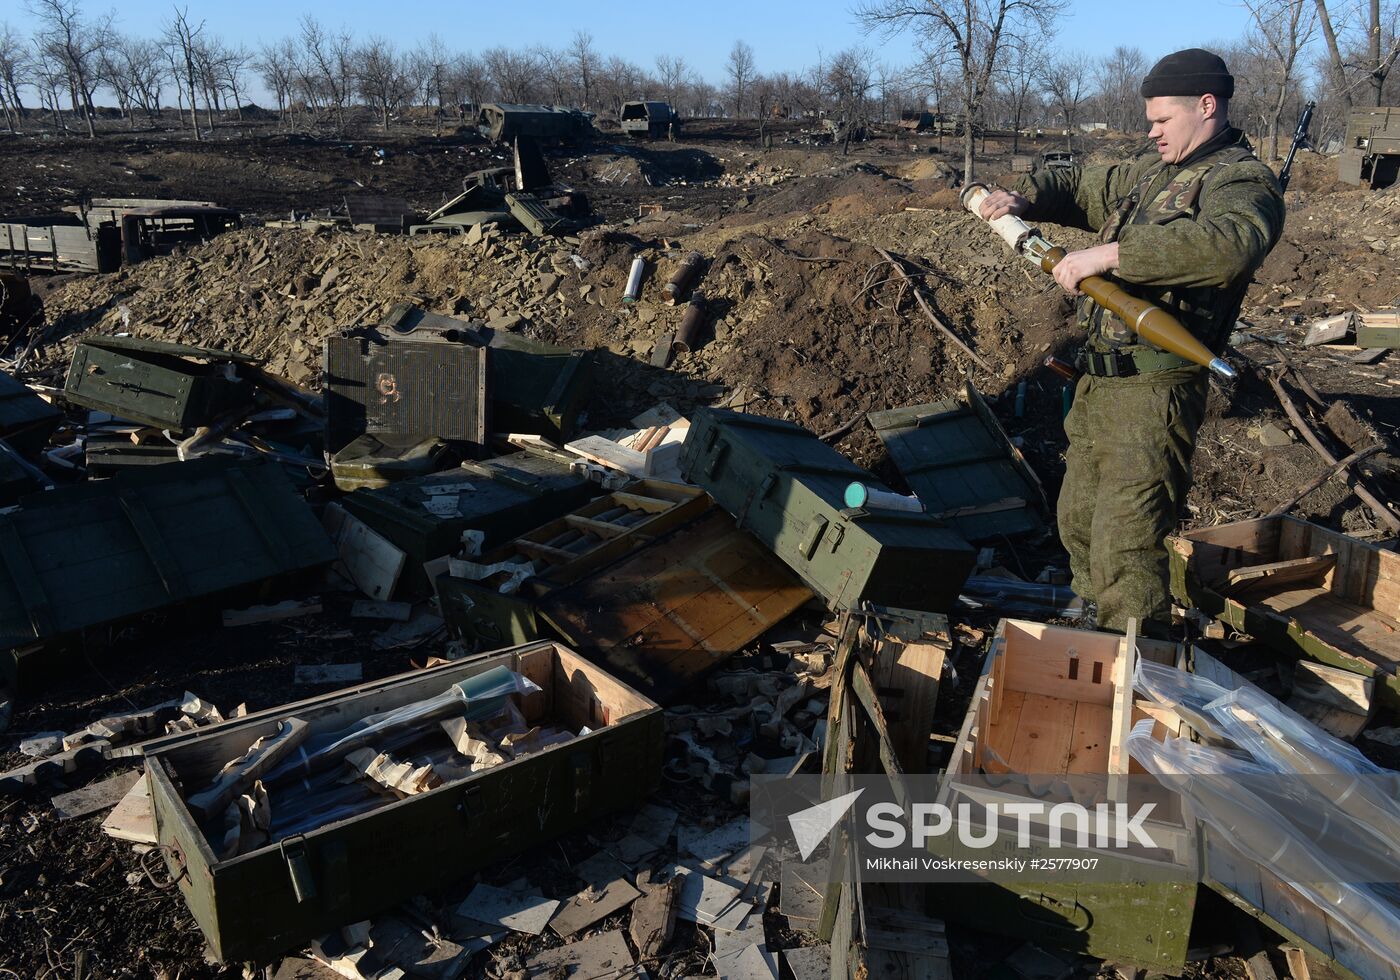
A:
(927, 169)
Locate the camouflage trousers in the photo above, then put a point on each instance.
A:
(1127, 473)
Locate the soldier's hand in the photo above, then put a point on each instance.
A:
(1000, 203)
(1075, 267)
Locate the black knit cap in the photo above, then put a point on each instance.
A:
(1194, 71)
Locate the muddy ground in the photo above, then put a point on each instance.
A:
(807, 321)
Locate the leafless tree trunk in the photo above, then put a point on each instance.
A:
(975, 29)
(740, 67)
(585, 61)
(1283, 28)
(1118, 76)
(76, 45)
(1066, 79)
(183, 37)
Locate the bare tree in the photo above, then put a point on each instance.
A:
(515, 74)
(671, 70)
(1282, 28)
(556, 72)
(471, 78)
(1066, 81)
(848, 79)
(327, 61)
(975, 29)
(1377, 52)
(276, 66)
(183, 38)
(1119, 76)
(1024, 66)
(585, 61)
(380, 77)
(16, 67)
(740, 67)
(76, 45)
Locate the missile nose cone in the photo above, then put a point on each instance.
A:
(1223, 369)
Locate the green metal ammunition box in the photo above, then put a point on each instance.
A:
(111, 453)
(956, 458)
(98, 553)
(1377, 330)
(351, 868)
(787, 487)
(26, 420)
(501, 497)
(404, 387)
(18, 476)
(536, 388)
(170, 386)
(369, 462)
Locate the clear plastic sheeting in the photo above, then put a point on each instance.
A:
(1210, 780)
(476, 698)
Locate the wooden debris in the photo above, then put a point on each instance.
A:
(371, 561)
(653, 920)
(1337, 701)
(290, 609)
(497, 906)
(603, 955)
(133, 819)
(1328, 330)
(591, 905)
(239, 774)
(94, 797)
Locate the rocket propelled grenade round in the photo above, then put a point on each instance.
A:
(1147, 320)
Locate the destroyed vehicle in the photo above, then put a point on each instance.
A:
(396, 787)
(503, 122)
(107, 232)
(1055, 159)
(649, 119)
(1371, 150)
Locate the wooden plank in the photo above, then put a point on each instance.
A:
(1043, 735)
(94, 797)
(1089, 749)
(591, 905)
(288, 609)
(133, 819)
(1272, 574)
(607, 453)
(907, 675)
(1122, 721)
(1338, 701)
(1001, 735)
(240, 773)
(373, 563)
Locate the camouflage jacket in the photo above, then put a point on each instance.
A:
(1190, 235)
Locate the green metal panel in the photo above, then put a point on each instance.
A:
(361, 866)
(787, 487)
(533, 388)
(144, 540)
(18, 476)
(956, 458)
(369, 462)
(484, 617)
(503, 497)
(537, 219)
(109, 454)
(1377, 335)
(156, 383)
(26, 420)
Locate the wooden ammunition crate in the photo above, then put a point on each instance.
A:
(359, 866)
(563, 552)
(1057, 702)
(1304, 589)
(169, 386)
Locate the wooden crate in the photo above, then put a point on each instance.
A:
(1057, 702)
(1307, 591)
(359, 866)
(562, 552)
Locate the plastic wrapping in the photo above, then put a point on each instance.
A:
(476, 698)
(1186, 694)
(1264, 835)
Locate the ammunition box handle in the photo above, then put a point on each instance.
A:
(471, 806)
(298, 867)
(813, 536)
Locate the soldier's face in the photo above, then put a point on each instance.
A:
(1179, 125)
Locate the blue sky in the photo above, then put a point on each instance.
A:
(785, 34)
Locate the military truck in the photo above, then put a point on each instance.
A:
(649, 120)
(1371, 149)
(502, 122)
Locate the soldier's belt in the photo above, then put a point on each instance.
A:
(1125, 363)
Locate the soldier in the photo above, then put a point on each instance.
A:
(1185, 224)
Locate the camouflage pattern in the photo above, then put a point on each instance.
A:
(1127, 472)
(1190, 238)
